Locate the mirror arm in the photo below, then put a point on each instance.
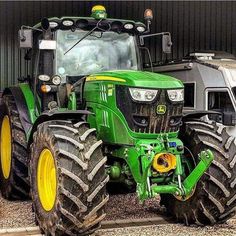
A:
(148, 26)
(142, 37)
(149, 56)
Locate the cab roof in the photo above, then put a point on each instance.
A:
(88, 23)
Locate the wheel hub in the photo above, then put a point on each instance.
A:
(6, 147)
(46, 179)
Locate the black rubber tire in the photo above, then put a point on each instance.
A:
(81, 178)
(214, 200)
(17, 185)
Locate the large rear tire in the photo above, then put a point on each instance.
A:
(13, 156)
(70, 200)
(214, 199)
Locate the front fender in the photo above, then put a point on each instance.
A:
(197, 114)
(57, 115)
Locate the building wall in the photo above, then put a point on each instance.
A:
(195, 25)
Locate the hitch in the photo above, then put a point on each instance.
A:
(206, 158)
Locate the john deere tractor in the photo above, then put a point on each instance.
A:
(87, 114)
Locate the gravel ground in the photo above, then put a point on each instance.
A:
(126, 206)
(228, 229)
(122, 206)
(15, 214)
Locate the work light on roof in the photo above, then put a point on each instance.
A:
(140, 29)
(67, 23)
(99, 12)
(128, 26)
(53, 24)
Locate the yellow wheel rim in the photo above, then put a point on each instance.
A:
(6, 147)
(47, 179)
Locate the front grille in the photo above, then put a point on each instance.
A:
(143, 118)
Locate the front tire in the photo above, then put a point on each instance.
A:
(75, 204)
(214, 199)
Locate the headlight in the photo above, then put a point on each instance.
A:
(56, 80)
(176, 95)
(143, 95)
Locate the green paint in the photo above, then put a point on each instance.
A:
(30, 101)
(115, 171)
(137, 149)
(109, 121)
(166, 189)
(206, 158)
(179, 169)
(72, 103)
(143, 79)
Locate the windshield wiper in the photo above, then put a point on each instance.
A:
(86, 35)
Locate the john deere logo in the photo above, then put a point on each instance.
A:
(161, 109)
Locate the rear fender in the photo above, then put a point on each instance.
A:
(21, 105)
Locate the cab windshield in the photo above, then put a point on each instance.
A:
(97, 52)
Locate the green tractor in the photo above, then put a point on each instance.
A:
(87, 115)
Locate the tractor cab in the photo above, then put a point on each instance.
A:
(64, 50)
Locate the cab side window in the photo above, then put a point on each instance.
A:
(220, 101)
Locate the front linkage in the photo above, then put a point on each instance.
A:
(163, 155)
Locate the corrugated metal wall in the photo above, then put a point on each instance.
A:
(195, 25)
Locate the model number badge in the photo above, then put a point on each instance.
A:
(161, 109)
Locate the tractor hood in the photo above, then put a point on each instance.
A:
(137, 79)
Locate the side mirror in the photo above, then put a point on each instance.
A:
(166, 43)
(25, 38)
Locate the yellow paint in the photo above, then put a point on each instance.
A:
(6, 147)
(104, 78)
(47, 179)
(98, 8)
(161, 109)
(164, 162)
(110, 91)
